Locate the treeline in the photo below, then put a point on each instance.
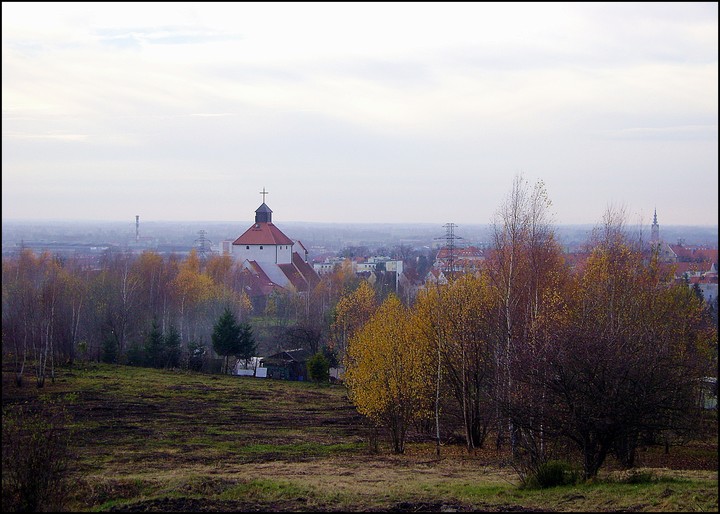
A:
(150, 310)
(549, 359)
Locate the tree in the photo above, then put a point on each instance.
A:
(304, 336)
(352, 311)
(318, 368)
(389, 371)
(71, 308)
(193, 357)
(154, 291)
(458, 320)
(192, 288)
(525, 256)
(172, 348)
(247, 347)
(19, 314)
(226, 337)
(155, 347)
(121, 290)
(621, 358)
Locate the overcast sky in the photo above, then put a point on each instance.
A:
(358, 112)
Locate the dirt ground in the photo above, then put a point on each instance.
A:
(134, 429)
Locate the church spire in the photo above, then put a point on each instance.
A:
(263, 214)
(655, 230)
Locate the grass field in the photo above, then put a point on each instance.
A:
(152, 440)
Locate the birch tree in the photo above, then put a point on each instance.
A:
(389, 370)
(352, 311)
(458, 319)
(523, 241)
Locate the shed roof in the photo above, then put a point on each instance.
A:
(296, 355)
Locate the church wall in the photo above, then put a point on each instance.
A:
(284, 254)
(277, 254)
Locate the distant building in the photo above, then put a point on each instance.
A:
(226, 247)
(435, 277)
(655, 231)
(287, 364)
(272, 258)
(692, 264)
(359, 265)
(463, 259)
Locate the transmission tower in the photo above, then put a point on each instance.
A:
(450, 238)
(203, 245)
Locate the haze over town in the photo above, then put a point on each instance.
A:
(362, 113)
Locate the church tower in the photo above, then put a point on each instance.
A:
(263, 214)
(655, 232)
(263, 242)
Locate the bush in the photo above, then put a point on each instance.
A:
(318, 368)
(34, 459)
(110, 351)
(552, 474)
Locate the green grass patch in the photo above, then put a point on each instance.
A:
(144, 436)
(300, 449)
(265, 490)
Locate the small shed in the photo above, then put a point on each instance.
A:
(287, 364)
(708, 393)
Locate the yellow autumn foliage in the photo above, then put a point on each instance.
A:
(351, 313)
(389, 371)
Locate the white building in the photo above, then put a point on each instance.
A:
(272, 256)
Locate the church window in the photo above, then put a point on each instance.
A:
(261, 247)
(247, 247)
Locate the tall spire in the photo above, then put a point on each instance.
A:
(655, 230)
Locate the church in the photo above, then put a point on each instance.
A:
(276, 262)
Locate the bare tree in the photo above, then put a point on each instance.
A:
(620, 356)
(524, 251)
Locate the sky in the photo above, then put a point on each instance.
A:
(358, 112)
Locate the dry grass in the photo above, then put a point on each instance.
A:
(166, 441)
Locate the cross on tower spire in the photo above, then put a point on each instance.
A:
(263, 192)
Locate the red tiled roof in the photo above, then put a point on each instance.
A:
(694, 254)
(706, 254)
(300, 275)
(681, 268)
(686, 267)
(307, 271)
(263, 234)
(294, 276)
(260, 284)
